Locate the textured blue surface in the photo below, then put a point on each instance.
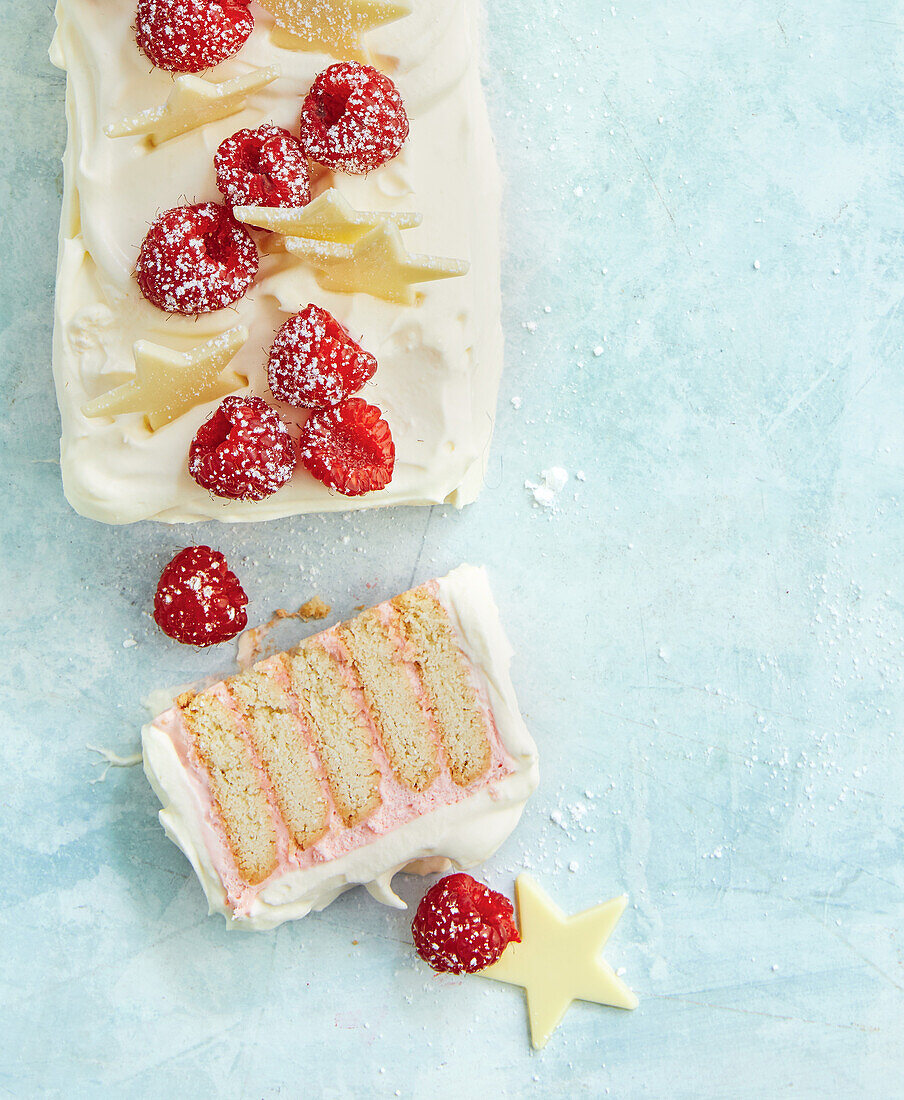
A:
(709, 194)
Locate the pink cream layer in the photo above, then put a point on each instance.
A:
(399, 805)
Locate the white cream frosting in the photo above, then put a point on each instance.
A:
(465, 833)
(440, 361)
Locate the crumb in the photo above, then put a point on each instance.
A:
(315, 608)
(251, 642)
(185, 698)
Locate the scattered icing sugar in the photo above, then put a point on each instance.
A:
(263, 167)
(353, 118)
(196, 259)
(187, 36)
(315, 363)
(243, 451)
(552, 482)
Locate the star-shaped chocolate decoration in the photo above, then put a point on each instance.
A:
(330, 217)
(194, 102)
(333, 27)
(377, 263)
(558, 960)
(168, 383)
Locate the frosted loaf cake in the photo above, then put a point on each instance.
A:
(391, 741)
(439, 358)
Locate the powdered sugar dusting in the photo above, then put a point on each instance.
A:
(199, 601)
(263, 167)
(196, 259)
(244, 451)
(314, 362)
(546, 491)
(353, 118)
(186, 36)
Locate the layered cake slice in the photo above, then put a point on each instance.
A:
(232, 170)
(390, 742)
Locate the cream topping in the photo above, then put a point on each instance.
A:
(440, 361)
(464, 826)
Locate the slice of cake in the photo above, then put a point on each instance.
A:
(390, 742)
(405, 257)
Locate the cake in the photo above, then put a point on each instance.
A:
(438, 346)
(392, 741)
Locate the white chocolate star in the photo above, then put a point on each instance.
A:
(330, 217)
(194, 102)
(377, 264)
(168, 383)
(333, 27)
(558, 960)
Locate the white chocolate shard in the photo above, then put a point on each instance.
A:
(168, 383)
(330, 217)
(333, 27)
(558, 959)
(194, 102)
(377, 264)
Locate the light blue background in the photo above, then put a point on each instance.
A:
(709, 629)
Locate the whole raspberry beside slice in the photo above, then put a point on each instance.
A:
(199, 601)
(353, 119)
(196, 259)
(186, 36)
(244, 451)
(349, 448)
(314, 362)
(462, 926)
(263, 167)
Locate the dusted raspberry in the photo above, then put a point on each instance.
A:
(353, 119)
(462, 926)
(263, 167)
(196, 259)
(314, 362)
(186, 36)
(349, 448)
(244, 451)
(199, 601)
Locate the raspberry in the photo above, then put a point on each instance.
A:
(349, 448)
(186, 36)
(462, 926)
(196, 259)
(314, 362)
(199, 601)
(244, 451)
(353, 118)
(263, 167)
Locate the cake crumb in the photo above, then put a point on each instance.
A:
(251, 641)
(314, 609)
